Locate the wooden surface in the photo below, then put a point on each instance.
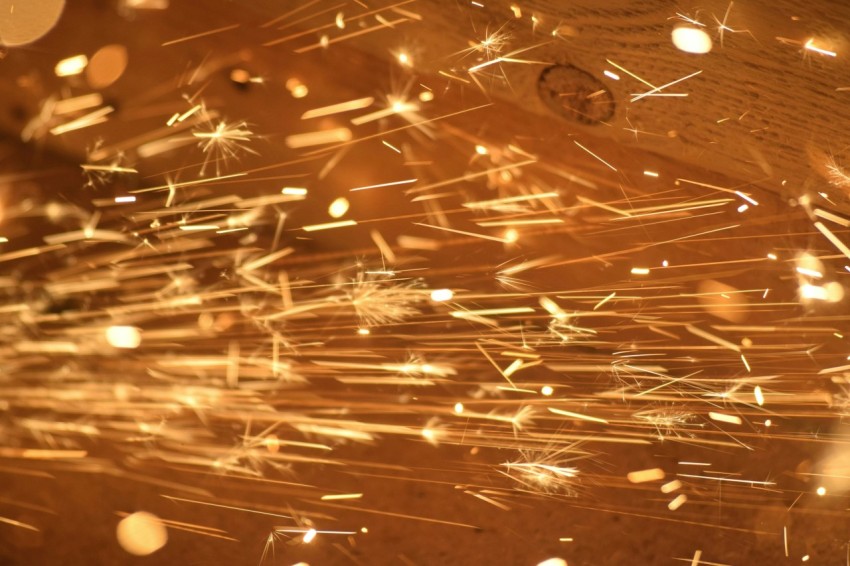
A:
(763, 108)
(761, 104)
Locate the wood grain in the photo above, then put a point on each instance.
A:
(762, 109)
(756, 111)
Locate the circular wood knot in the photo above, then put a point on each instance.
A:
(575, 94)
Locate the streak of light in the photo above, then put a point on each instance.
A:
(339, 108)
(202, 34)
(390, 184)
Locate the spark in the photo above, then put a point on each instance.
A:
(202, 34)
(339, 108)
(389, 184)
(595, 156)
(329, 225)
(810, 45)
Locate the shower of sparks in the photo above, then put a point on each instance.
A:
(504, 329)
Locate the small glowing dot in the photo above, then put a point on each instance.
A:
(426, 96)
(546, 390)
(511, 235)
(128, 337)
(771, 256)
(440, 295)
(821, 491)
(768, 423)
(364, 530)
(691, 40)
(458, 408)
(746, 342)
(428, 434)
(481, 150)
(363, 331)
(806, 558)
(272, 443)
(610, 75)
(296, 88)
(743, 208)
(338, 207)
(309, 536)
(404, 59)
(665, 263)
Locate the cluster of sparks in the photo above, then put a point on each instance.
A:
(517, 321)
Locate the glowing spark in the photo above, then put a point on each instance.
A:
(758, 395)
(71, 66)
(596, 156)
(390, 184)
(202, 34)
(329, 225)
(644, 476)
(579, 416)
(441, 295)
(336, 135)
(811, 47)
(724, 418)
(339, 108)
(677, 502)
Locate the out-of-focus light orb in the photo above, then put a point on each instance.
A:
(106, 66)
(440, 295)
(426, 96)
(546, 390)
(511, 235)
(141, 533)
(127, 337)
(296, 88)
(338, 208)
(821, 491)
(553, 562)
(363, 331)
(691, 40)
(24, 22)
(459, 408)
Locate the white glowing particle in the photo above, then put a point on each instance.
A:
(71, 66)
(338, 207)
(440, 295)
(128, 337)
(691, 40)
